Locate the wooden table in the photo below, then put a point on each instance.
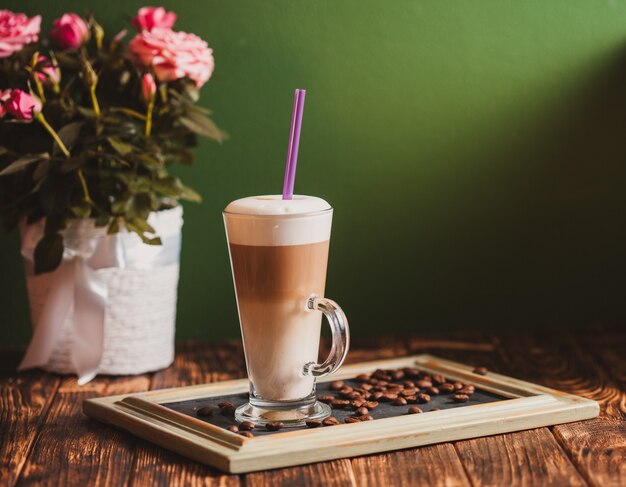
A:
(45, 439)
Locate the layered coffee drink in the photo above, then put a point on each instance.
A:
(279, 255)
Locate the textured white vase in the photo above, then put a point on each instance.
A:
(140, 308)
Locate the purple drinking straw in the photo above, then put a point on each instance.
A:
(294, 142)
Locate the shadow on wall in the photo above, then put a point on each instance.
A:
(544, 244)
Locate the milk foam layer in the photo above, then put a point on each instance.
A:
(271, 221)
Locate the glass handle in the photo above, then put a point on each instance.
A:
(340, 336)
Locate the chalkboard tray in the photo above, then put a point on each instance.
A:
(500, 404)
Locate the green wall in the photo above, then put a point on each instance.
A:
(474, 152)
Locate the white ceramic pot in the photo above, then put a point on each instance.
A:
(110, 307)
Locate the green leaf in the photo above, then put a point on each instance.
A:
(122, 148)
(169, 186)
(142, 225)
(48, 253)
(23, 163)
(190, 195)
(68, 135)
(102, 221)
(203, 126)
(67, 60)
(81, 210)
(41, 171)
(73, 163)
(86, 112)
(150, 240)
(114, 227)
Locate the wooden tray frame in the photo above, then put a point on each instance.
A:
(530, 406)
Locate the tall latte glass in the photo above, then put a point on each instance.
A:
(279, 254)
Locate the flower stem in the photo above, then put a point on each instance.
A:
(94, 100)
(42, 120)
(149, 117)
(83, 183)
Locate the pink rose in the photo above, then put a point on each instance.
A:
(70, 31)
(4, 96)
(46, 72)
(173, 55)
(148, 87)
(22, 105)
(148, 18)
(17, 30)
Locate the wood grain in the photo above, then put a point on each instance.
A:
(195, 363)
(596, 447)
(500, 459)
(45, 439)
(24, 403)
(527, 458)
(436, 465)
(433, 465)
(328, 474)
(71, 449)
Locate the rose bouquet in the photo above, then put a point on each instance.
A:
(90, 125)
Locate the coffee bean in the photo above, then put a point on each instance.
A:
(274, 426)
(336, 385)
(361, 411)
(458, 386)
(365, 417)
(425, 376)
(415, 410)
(246, 426)
(373, 381)
(461, 398)
(411, 399)
(387, 397)
(411, 371)
(469, 387)
(330, 421)
(225, 404)
(438, 379)
(408, 384)
(480, 370)
(233, 428)
(362, 378)
(339, 403)
(366, 387)
(345, 390)
(377, 395)
(423, 398)
(408, 392)
(466, 390)
(357, 403)
(423, 384)
(395, 390)
(326, 399)
(354, 395)
(351, 419)
(433, 391)
(367, 395)
(382, 383)
(313, 423)
(397, 375)
(371, 405)
(247, 434)
(228, 410)
(399, 401)
(205, 411)
(435, 409)
(381, 375)
(446, 388)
